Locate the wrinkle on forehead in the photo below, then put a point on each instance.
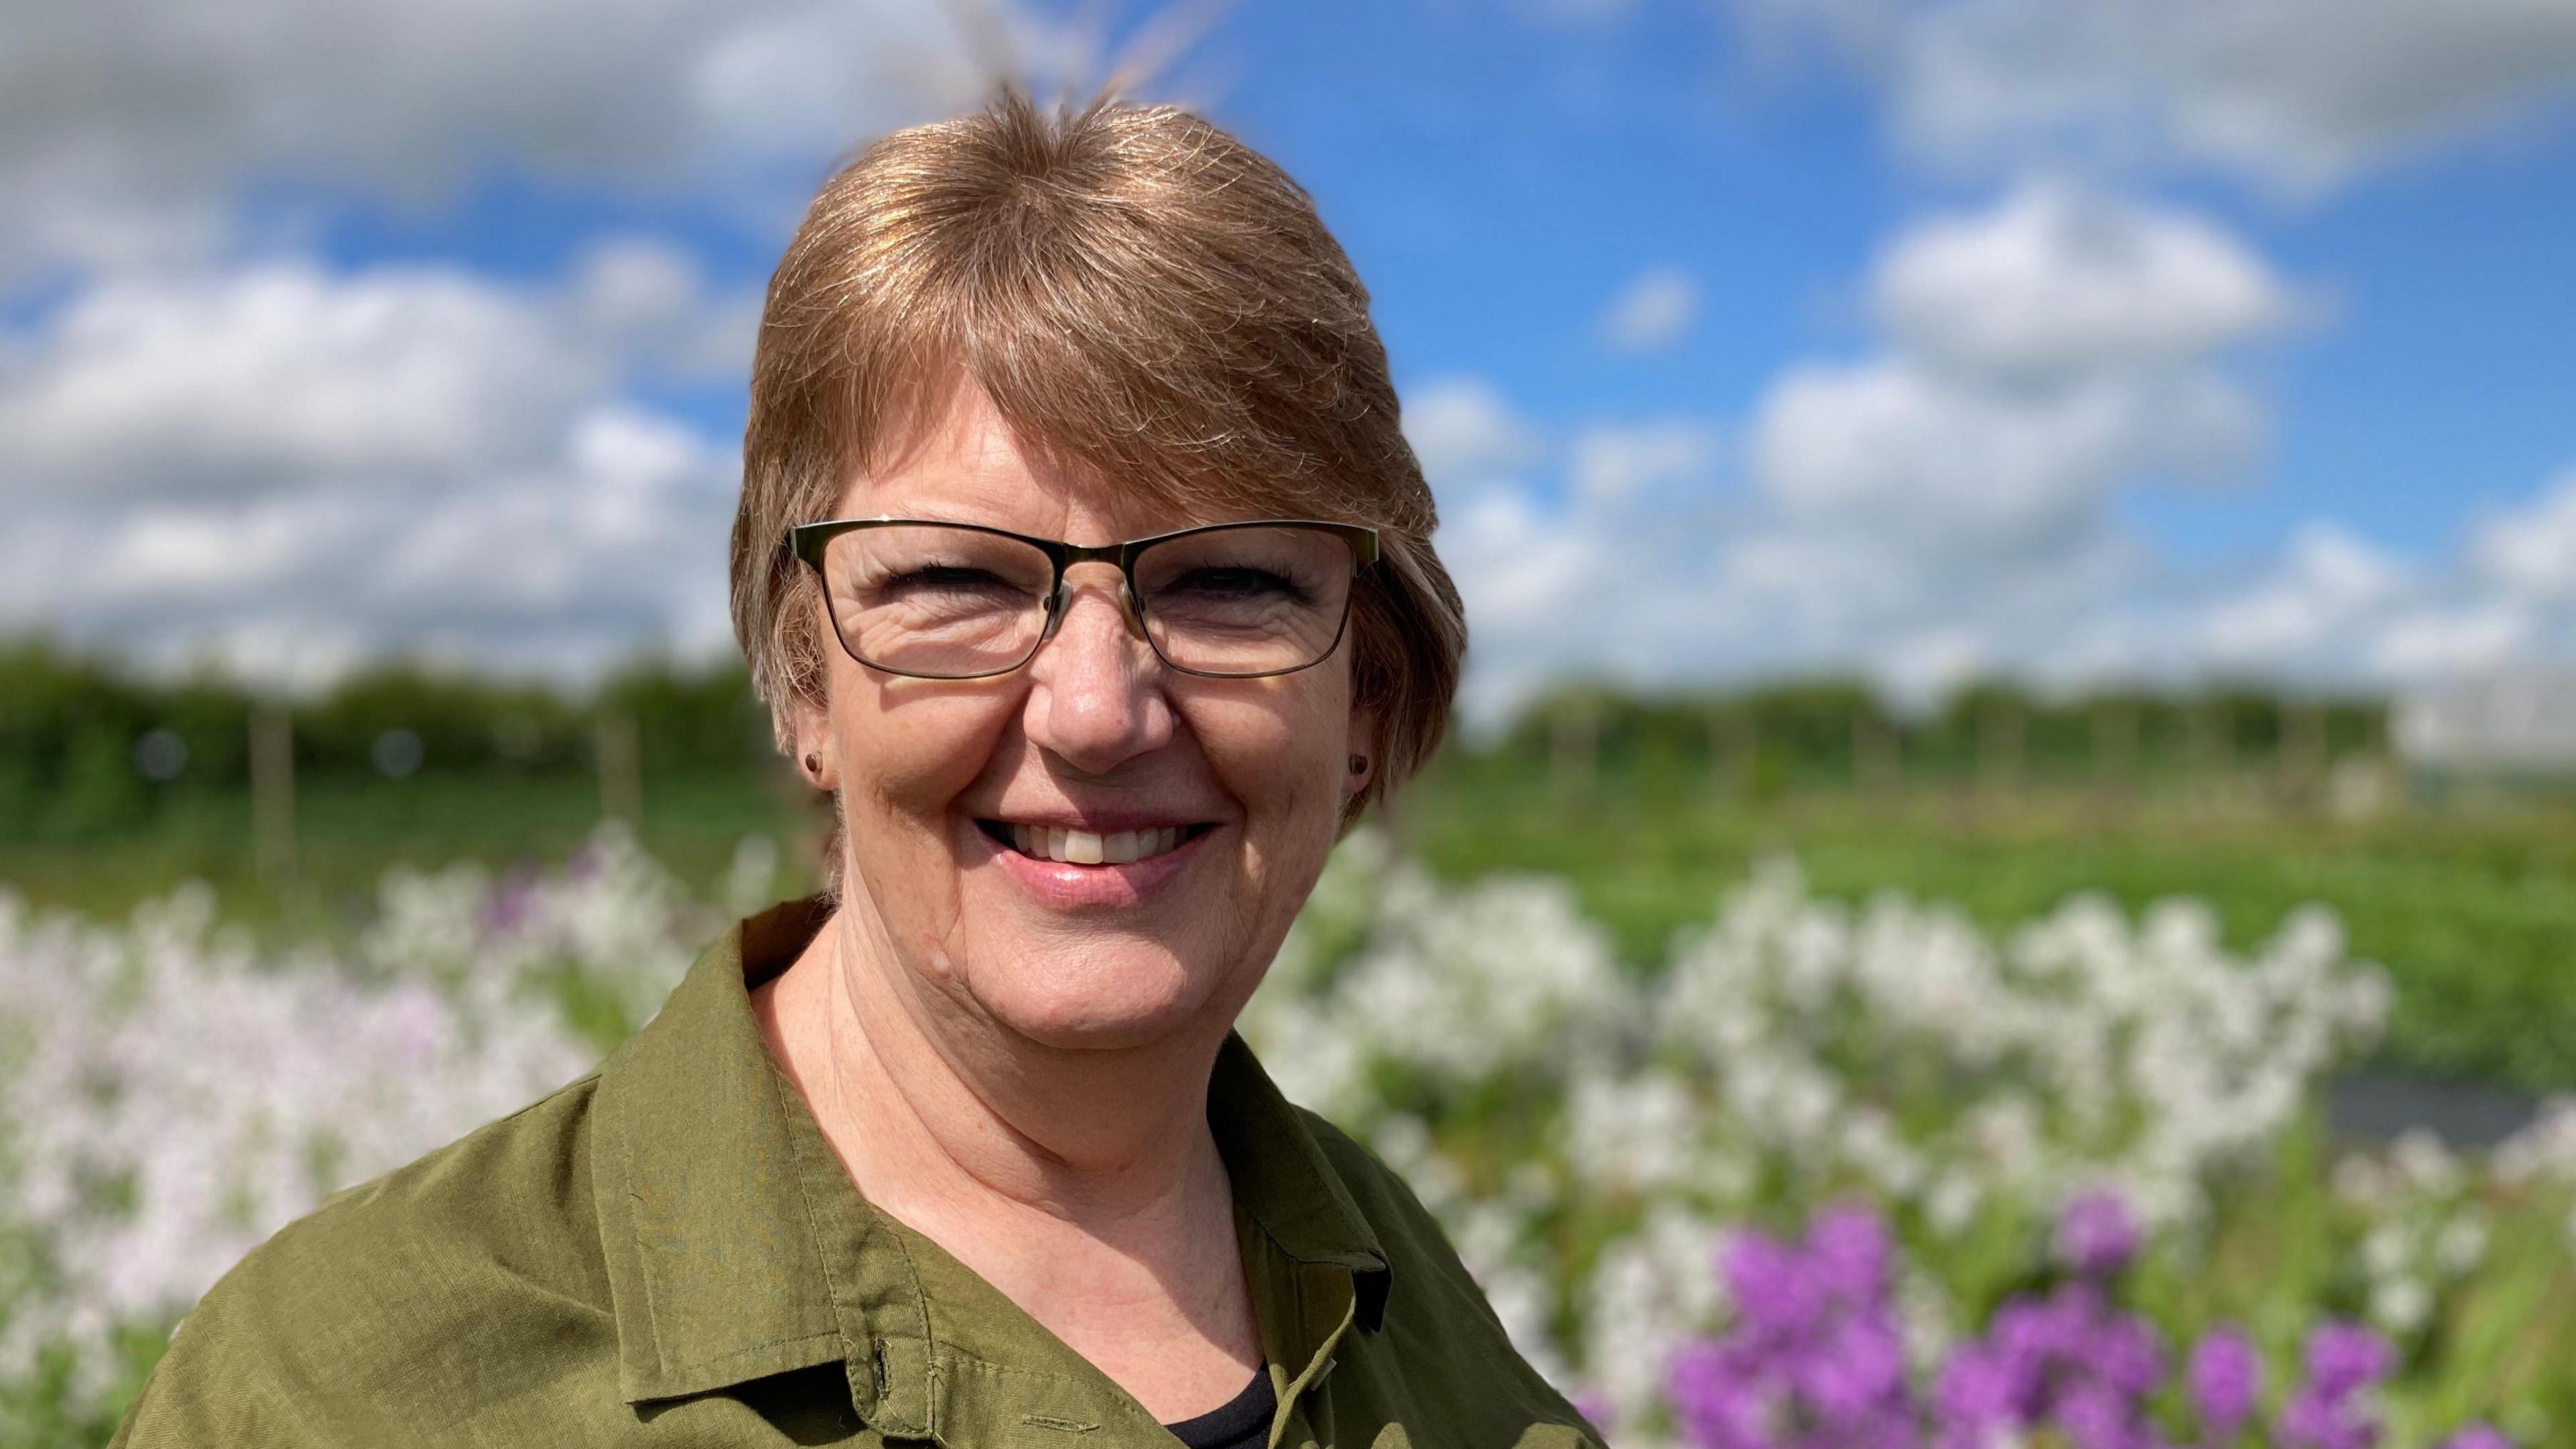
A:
(964, 461)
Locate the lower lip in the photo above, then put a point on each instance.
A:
(1067, 886)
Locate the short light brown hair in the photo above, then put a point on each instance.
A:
(1143, 297)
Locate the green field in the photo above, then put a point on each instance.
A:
(2473, 910)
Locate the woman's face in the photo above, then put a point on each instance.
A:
(1235, 785)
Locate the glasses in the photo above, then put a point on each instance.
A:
(937, 600)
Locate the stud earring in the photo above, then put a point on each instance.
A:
(1359, 764)
(813, 764)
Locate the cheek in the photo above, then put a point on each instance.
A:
(1284, 759)
(905, 752)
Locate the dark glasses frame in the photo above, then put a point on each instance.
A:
(806, 541)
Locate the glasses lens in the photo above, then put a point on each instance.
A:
(944, 603)
(1254, 600)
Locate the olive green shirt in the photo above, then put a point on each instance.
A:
(667, 1252)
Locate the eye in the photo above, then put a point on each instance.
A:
(946, 578)
(1236, 582)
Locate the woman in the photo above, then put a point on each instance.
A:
(1081, 560)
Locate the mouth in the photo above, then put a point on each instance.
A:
(1066, 846)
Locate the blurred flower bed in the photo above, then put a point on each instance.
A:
(1823, 1177)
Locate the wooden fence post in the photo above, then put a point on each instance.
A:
(1878, 753)
(2302, 760)
(621, 769)
(1574, 748)
(1733, 743)
(2115, 747)
(272, 794)
(2000, 747)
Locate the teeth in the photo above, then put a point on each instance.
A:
(1085, 847)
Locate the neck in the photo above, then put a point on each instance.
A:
(958, 1105)
(1085, 1185)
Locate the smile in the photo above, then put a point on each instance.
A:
(1087, 847)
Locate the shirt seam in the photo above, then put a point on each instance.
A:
(746, 1350)
(644, 1269)
(805, 1201)
(832, 1278)
(1088, 1386)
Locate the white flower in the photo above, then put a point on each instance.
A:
(2401, 1305)
(172, 1097)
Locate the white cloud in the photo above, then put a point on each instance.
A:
(2327, 585)
(212, 385)
(1948, 505)
(2043, 355)
(2297, 93)
(2437, 643)
(616, 542)
(1932, 462)
(292, 468)
(1466, 436)
(2337, 608)
(127, 127)
(1654, 311)
(651, 303)
(1617, 463)
(1941, 504)
(208, 385)
(2531, 552)
(1594, 556)
(1684, 579)
(2060, 278)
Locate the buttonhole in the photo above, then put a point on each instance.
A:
(1049, 1421)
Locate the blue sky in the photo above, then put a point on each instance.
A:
(2075, 339)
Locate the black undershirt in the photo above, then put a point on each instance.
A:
(1242, 1423)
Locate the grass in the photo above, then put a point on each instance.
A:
(349, 834)
(2472, 909)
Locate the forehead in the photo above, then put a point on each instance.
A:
(961, 461)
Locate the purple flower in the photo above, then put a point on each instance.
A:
(1771, 1285)
(2224, 1377)
(1595, 1407)
(1979, 1389)
(2327, 1412)
(1815, 1359)
(2096, 1236)
(1849, 1249)
(2069, 1360)
(2313, 1421)
(2127, 1354)
(512, 899)
(1718, 1406)
(2344, 1356)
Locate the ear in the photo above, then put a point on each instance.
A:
(1362, 755)
(815, 759)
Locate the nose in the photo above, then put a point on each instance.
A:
(1096, 689)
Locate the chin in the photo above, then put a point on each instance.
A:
(1103, 1000)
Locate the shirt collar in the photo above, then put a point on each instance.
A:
(737, 1246)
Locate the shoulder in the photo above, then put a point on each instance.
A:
(403, 1303)
(1442, 1334)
